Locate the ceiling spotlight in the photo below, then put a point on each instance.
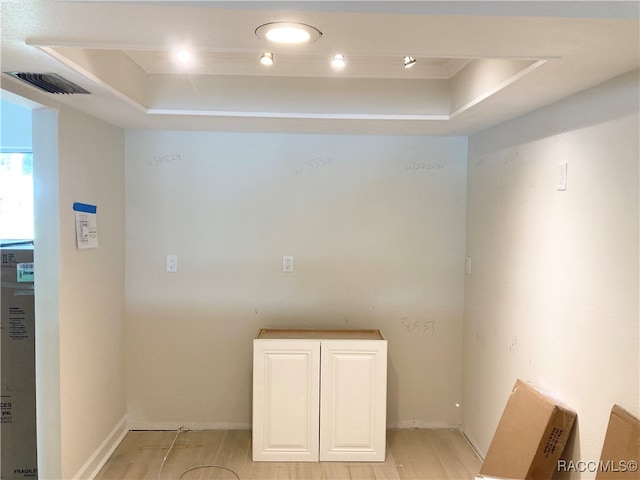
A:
(409, 62)
(266, 58)
(286, 32)
(338, 61)
(183, 56)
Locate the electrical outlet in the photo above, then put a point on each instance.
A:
(172, 263)
(287, 263)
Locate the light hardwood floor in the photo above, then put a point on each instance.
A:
(415, 454)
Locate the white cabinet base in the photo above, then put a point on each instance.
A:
(353, 405)
(285, 401)
(319, 395)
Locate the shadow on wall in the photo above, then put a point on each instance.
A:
(576, 114)
(571, 450)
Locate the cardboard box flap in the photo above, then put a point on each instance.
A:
(621, 446)
(530, 436)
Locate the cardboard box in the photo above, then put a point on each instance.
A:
(620, 455)
(17, 346)
(530, 437)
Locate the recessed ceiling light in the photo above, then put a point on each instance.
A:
(183, 56)
(287, 32)
(338, 61)
(409, 62)
(266, 58)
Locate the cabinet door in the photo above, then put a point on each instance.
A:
(286, 400)
(353, 405)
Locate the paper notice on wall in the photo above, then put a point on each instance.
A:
(86, 225)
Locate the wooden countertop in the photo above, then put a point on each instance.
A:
(320, 334)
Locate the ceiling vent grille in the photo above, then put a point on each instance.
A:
(49, 82)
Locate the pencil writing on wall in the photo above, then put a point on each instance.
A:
(158, 160)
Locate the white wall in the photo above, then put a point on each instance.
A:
(553, 293)
(376, 225)
(47, 299)
(79, 293)
(376, 228)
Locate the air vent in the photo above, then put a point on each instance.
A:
(49, 82)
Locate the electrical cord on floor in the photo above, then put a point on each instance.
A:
(166, 455)
(207, 466)
(164, 460)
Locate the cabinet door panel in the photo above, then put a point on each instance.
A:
(285, 398)
(353, 400)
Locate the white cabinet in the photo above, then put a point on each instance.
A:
(353, 400)
(319, 395)
(285, 400)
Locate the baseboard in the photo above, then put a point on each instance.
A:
(473, 444)
(141, 425)
(409, 424)
(435, 426)
(96, 461)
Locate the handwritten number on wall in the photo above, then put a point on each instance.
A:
(313, 164)
(164, 159)
(418, 327)
(416, 166)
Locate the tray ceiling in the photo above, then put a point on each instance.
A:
(472, 70)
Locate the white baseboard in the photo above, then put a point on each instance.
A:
(188, 426)
(142, 425)
(409, 424)
(481, 454)
(96, 461)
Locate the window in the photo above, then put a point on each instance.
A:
(16, 196)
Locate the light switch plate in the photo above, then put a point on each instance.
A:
(562, 177)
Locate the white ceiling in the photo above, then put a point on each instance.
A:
(479, 63)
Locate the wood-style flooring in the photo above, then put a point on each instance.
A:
(415, 454)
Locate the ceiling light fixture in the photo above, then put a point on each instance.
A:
(409, 62)
(338, 61)
(288, 32)
(266, 58)
(183, 56)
